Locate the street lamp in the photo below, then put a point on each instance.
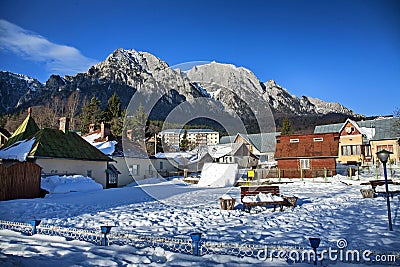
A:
(314, 242)
(383, 156)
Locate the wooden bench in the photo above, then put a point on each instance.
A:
(255, 190)
(375, 183)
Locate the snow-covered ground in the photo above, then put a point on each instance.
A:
(330, 210)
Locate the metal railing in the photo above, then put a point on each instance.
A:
(193, 245)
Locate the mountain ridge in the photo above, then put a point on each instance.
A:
(129, 71)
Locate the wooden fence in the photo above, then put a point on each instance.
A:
(19, 180)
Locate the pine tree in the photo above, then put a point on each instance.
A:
(137, 123)
(113, 109)
(91, 113)
(114, 115)
(286, 127)
(184, 145)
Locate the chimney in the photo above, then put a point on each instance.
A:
(29, 111)
(91, 128)
(129, 134)
(105, 130)
(64, 124)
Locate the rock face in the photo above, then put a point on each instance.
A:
(17, 89)
(282, 101)
(229, 88)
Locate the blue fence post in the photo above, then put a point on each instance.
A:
(195, 241)
(34, 223)
(105, 230)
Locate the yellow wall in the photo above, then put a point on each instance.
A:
(70, 166)
(396, 149)
(349, 140)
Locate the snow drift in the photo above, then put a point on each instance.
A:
(65, 184)
(218, 175)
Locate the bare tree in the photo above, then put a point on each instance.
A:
(72, 107)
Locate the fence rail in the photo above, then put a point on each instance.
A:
(350, 170)
(193, 245)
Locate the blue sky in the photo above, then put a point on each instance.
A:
(344, 51)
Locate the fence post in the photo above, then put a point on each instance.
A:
(325, 174)
(279, 174)
(105, 230)
(34, 223)
(195, 241)
(301, 174)
(351, 173)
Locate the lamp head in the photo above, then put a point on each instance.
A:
(105, 229)
(383, 155)
(314, 242)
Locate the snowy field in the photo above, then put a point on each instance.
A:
(330, 210)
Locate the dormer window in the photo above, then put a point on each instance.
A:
(349, 129)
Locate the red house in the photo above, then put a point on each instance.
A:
(307, 155)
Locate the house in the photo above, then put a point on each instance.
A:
(261, 145)
(103, 140)
(59, 151)
(237, 153)
(4, 135)
(175, 162)
(359, 141)
(196, 137)
(307, 155)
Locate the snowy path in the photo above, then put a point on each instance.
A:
(327, 210)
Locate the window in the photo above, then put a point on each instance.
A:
(304, 163)
(134, 170)
(386, 147)
(367, 151)
(351, 150)
(318, 139)
(112, 179)
(296, 140)
(161, 165)
(89, 173)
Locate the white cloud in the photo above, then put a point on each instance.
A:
(61, 59)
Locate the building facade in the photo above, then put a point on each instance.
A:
(196, 137)
(307, 155)
(359, 141)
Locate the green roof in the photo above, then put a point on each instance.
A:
(263, 142)
(52, 143)
(27, 128)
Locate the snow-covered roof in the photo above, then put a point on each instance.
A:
(106, 147)
(18, 151)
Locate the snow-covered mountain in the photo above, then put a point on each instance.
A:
(282, 101)
(16, 89)
(226, 78)
(129, 71)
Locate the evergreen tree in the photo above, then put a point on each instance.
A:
(184, 145)
(137, 123)
(91, 113)
(114, 114)
(286, 127)
(113, 109)
(397, 122)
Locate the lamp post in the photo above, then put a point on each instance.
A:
(383, 156)
(314, 242)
